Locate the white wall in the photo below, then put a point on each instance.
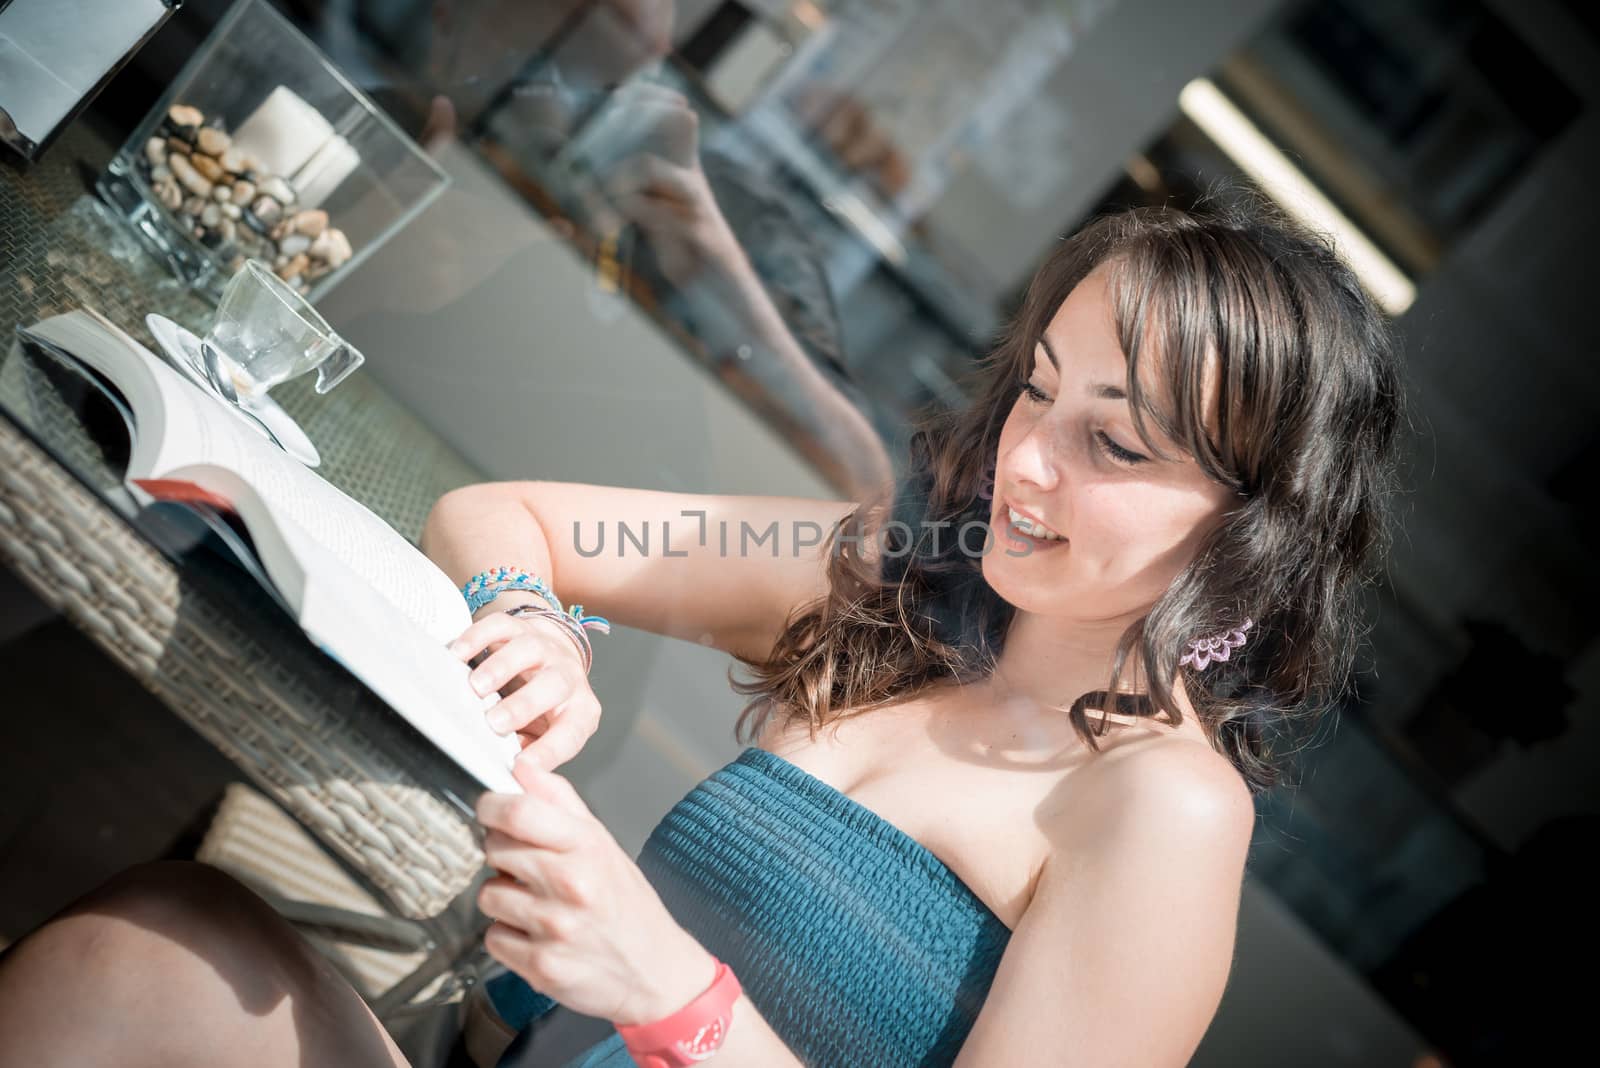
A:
(1118, 88)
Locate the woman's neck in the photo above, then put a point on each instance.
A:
(1047, 664)
(1052, 662)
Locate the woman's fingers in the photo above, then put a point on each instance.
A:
(653, 176)
(516, 859)
(562, 740)
(533, 699)
(516, 824)
(496, 627)
(553, 710)
(502, 899)
(526, 652)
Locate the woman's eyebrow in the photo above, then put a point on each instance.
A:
(1098, 390)
(1050, 352)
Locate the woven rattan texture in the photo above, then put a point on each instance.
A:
(254, 840)
(307, 734)
(211, 645)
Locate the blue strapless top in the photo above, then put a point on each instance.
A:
(856, 943)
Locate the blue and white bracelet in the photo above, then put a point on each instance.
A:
(485, 586)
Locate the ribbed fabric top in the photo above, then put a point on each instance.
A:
(856, 943)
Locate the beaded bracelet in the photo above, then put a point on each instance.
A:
(485, 586)
(569, 626)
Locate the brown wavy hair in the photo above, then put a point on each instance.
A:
(1303, 431)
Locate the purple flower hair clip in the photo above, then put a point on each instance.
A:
(1202, 651)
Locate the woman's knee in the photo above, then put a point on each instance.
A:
(166, 890)
(168, 915)
(187, 902)
(181, 956)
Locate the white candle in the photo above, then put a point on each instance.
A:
(283, 133)
(323, 172)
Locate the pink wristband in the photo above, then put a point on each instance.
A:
(691, 1034)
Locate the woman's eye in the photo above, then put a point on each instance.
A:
(1035, 394)
(1117, 452)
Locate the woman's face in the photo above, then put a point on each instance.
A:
(1070, 458)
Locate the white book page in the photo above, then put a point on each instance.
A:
(183, 428)
(364, 594)
(341, 526)
(413, 673)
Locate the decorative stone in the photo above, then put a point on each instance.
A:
(187, 176)
(332, 247)
(219, 193)
(311, 223)
(184, 117)
(294, 244)
(268, 210)
(212, 141)
(277, 189)
(207, 166)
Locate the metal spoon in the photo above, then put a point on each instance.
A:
(222, 382)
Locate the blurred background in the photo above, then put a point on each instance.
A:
(736, 245)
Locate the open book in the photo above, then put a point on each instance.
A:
(359, 589)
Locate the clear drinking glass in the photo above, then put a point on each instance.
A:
(265, 333)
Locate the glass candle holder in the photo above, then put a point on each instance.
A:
(261, 149)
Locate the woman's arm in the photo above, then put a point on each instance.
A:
(719, 570)
(579, 921)
(1123, 954)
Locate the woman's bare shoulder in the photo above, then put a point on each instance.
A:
(1157, 779)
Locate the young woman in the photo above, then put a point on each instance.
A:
(1008, 719)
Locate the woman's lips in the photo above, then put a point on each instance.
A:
(1036, 545)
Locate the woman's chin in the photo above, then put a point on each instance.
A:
(1019, 575)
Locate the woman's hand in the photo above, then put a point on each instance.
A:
(659, 185)
(538, 671)
(575, 916)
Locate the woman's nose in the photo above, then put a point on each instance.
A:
(1033, 461)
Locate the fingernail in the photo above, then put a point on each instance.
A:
(499, 721)
(480, 684)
